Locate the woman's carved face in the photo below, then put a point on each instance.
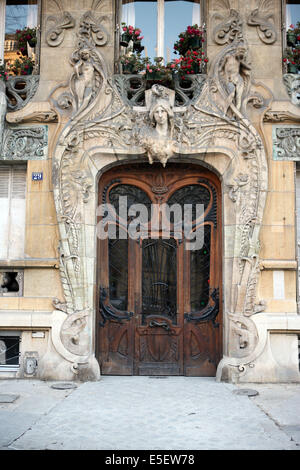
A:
(160, 115)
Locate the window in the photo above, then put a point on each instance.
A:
(161, 22)
(11, 283)
(12, 211)
(9, 350)
(292, 13)
(17, 15)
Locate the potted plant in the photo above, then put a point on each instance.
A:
(291, 59)
(22, 66)
(3, 73)
(191, 39)
(132, 63)
(131, 34)
(137, 44)
(194, 62)
(157, 72)
(293, 35)
(24, 36)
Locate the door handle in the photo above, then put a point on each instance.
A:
(157, 324)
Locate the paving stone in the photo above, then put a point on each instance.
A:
(4, 398)
(13, 425)
(137, 413)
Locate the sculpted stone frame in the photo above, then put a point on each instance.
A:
(100, 129)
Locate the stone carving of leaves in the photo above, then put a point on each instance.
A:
(56, 32)
(263, 18)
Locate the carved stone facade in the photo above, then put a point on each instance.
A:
(25, 143)
(286, 143)
(226, 126)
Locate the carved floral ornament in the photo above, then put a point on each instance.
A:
(231, 27)
(25, 143)
(101, 121)
(56, 25)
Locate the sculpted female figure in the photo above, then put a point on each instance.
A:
(236, 75)
(85, 78)
(158, 141)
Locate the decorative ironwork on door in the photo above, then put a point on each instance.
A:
(159, 278)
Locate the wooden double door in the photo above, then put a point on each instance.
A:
(159, 286)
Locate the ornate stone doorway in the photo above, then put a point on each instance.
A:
(159, 299)
(218, 129)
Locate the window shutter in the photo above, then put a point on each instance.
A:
(4, 181)
(18, 187)
(12, 211)
(5, 177)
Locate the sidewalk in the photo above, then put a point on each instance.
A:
(148, 413)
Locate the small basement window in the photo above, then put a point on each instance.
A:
(11, 283)
(9, 349)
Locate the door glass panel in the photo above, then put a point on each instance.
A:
(134, 195)
(118, 272)
(199, 272)
(191, 194)
(159, 282)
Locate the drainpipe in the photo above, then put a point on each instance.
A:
(297, 241)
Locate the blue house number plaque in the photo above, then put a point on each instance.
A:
(37, 176)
